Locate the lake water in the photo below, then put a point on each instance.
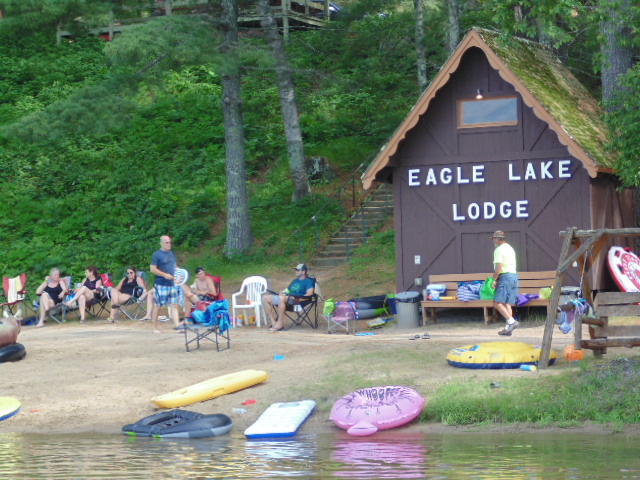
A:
(393, 454)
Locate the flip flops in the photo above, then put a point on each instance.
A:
(424, 336)
(274, 330)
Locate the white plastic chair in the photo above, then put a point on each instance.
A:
(252, 288)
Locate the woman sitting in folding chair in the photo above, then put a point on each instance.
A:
(89, 290)
(121, 293)
(52, 292)
(301, 286)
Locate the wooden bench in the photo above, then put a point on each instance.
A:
(529, 282)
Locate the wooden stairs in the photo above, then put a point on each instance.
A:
(354, 233)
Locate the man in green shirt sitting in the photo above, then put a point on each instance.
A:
(301, 286)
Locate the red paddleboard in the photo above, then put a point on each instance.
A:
(624, 266)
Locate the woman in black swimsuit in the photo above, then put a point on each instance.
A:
(124, 291)
(51, 292)
(87, 291)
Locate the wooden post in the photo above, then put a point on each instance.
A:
(286, 5)
(167, 7)
(111, 25)
(555, 298)
(326, 10)
(306, 7)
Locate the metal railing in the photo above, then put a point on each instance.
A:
(350, 198)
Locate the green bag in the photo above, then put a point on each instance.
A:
(329, 306)
(486, 290)
(546, 292)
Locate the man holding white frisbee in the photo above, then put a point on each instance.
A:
(163, 266)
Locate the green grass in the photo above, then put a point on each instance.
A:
(596, 393)
(366, 369)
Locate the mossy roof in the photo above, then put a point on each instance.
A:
(545, 85)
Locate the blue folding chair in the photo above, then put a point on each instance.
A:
(212, 324)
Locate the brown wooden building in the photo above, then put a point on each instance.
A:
(505, 138)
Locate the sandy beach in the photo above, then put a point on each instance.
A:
(98, 377)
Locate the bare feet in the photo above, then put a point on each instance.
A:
(40, 325)
(156, 331)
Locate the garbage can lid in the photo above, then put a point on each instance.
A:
(407, 297)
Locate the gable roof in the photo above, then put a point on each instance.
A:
(545, 85)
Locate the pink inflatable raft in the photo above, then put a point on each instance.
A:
(368, 410)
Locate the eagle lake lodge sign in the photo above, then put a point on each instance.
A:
(488, 210)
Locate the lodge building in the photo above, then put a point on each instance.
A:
(504, 138)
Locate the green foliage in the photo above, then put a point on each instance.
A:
(599, 394)
(624, 121)
(106, 146)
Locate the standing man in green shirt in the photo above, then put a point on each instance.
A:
(505, 281)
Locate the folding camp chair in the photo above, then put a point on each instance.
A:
(303, 309)
(98, 304)
(343, 314)
(59, 312)
(252, 288)
(213, 324)
(134, 307)
(14, 293)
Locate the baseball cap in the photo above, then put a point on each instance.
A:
(499, 234)
(302, 266)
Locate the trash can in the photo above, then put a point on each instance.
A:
(407, 305)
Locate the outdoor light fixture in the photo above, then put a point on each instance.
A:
(479, 94)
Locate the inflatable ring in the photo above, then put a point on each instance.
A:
(368, 410)
(11, 353)
(370, 303)
(496, 355)
(9, 406)
(624, 266)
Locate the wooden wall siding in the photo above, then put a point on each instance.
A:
(426, 224)
(610, 209)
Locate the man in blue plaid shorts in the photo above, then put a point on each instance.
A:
(163, 266)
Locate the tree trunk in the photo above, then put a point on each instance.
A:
(421, 60)
(238, 225)
(453, 32)
(617, 58)
(288, 106)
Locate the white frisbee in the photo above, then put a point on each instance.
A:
(180, 276)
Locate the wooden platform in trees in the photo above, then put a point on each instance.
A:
(289, 14)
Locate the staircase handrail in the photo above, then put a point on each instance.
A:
(354, 206)
(338, 195)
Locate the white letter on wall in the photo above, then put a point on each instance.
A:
(413, 177)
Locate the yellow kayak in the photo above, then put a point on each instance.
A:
(9, 406)
(211, 388)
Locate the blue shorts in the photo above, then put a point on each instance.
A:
(507, 289)
(168, 294)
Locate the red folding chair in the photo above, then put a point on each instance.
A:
(14, 294)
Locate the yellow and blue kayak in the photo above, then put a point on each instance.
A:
(9, 406)
(496, 355)
(211, 388)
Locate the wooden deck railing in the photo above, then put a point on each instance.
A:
(288, 13)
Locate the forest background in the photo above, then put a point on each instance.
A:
(105, 146)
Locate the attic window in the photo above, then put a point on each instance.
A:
(488, 112)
